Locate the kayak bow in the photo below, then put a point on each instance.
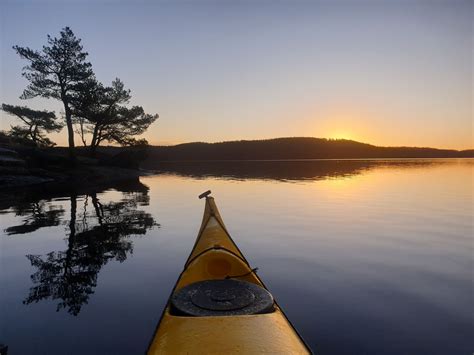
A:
(219, 304)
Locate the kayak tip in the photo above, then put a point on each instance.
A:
(205, 194)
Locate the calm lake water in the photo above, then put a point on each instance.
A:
(365, 257)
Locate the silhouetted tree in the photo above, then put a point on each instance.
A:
(35, 124)
(57, 71)
(102, 112)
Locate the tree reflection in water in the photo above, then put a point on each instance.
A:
(281, 170)
(37, 215)
(97, 233)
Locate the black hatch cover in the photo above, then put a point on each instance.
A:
(221, 298)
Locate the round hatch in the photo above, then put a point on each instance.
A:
(221, 298)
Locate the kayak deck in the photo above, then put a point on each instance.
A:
(214, 257)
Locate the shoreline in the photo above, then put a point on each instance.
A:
(80, 177)
(92, 176)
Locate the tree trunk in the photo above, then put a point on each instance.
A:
(70, 133)
(93, 146)
(30, 132)
(72, 234)
(97, 206)
(35, 133)
(81, 123)
(93, 151)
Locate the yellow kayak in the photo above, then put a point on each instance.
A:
(219, 305)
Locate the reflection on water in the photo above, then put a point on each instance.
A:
(281, 170)
(96, 233)
(36, 215)
(365, 257)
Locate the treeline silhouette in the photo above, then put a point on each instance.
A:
(294, 148)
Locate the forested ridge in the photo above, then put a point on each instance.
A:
(294, 148)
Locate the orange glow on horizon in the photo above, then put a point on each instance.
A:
(349, 123)
(342, 135)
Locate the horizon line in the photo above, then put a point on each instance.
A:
(287, 137)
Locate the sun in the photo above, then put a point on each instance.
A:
(341, 135)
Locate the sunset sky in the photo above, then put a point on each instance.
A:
(383, 72)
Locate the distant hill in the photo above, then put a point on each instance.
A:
(293, 148)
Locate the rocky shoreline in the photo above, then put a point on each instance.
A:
(31, 168)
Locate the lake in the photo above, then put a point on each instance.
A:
(365, 257)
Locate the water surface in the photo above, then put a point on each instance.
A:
(365, 257)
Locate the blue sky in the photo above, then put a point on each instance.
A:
(385, 72)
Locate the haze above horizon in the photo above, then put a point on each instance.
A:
(388, 73)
